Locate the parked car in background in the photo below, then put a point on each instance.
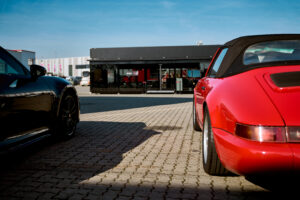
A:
(32, 105)
(248, 107)
(85, 81)
(74, 80)
(77, 80)
(70, 79)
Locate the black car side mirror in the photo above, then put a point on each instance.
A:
(37, 71)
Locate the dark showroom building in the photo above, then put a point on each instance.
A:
(165, 69)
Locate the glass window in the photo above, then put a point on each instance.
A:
(2, 67)
(110, 76)
(194, 73)
(272, 51)
(167, 79)
(131, 77)
(204, 65)
(189, 75)
(82, 66)
(217, 64)
(5, 68)
(103, 76)
(153, 78)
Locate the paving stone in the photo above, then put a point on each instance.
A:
(31, 195)
(175, 195)
(156, 195)
(140, 198)
(76, 197)
(92, 197)
(110, 195)
(123, 198)
(10, 198)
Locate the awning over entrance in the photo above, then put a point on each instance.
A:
(152, 54)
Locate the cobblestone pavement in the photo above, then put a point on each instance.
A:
(126, 147)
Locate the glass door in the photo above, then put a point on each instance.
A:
(164, 75)
(160, 78)
(153, 82)
(167, 76)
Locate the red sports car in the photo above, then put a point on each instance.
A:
(248, 106)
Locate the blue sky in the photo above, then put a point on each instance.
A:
(69, 28)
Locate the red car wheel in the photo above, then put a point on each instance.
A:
(211, 162)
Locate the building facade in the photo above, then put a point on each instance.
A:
(148, 69)
(73, 66)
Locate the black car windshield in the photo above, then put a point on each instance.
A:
(272, 51)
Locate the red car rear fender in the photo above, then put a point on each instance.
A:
(242, 99)
(247, 157)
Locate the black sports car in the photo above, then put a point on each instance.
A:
(32, 105)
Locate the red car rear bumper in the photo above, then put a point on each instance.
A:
(246, 157)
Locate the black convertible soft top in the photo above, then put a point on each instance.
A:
(233, 61)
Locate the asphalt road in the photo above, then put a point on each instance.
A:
(126, 147)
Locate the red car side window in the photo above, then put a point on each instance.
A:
(214, 69)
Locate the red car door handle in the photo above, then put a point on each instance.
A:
(203, 88)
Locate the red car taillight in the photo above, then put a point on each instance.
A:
(261, 133)
(293, 134)
(268, 133)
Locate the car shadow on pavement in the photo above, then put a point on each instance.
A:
(278, 182)
(97, 146)
(102, 104)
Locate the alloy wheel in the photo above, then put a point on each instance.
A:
(68, 115)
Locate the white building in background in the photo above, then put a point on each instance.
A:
(73, 66)
(25, 57)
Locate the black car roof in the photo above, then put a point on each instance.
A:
(233, 61)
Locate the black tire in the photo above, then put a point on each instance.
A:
(211, 162)
(195, 122)
(67, 119)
